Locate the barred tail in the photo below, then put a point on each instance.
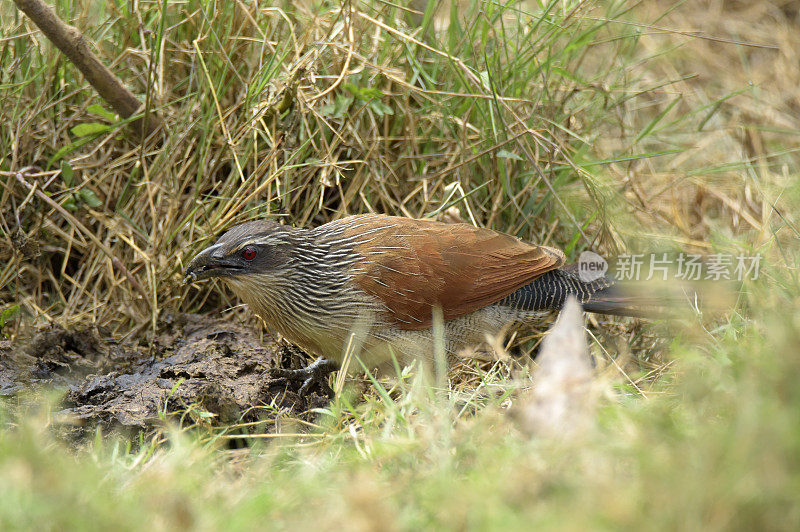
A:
(603, 295)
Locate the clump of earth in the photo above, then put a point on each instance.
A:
(212, 366)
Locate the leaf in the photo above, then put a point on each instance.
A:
(8, 314)
(90, 128)
(65, 150)
(352, 89)
(339, 107)
(90, 198)
(363, 93)
(505, 154)
(67, 173)
(101, 111)
(70, 204)
(381, 108)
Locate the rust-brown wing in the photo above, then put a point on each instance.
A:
(415, 265)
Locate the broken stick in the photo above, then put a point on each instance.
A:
(72, 43)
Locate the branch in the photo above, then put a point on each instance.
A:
(70, 41)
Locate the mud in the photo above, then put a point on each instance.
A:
(194, 363)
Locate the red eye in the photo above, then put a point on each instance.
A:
(249, 253)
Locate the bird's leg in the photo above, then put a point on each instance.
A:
(313, 376)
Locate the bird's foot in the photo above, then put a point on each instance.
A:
(313, 376)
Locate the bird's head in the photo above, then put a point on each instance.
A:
(252, 252)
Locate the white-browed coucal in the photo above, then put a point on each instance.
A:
(383, 276)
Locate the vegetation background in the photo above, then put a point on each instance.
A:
(607, 125)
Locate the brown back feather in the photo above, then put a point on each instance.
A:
(415, 265)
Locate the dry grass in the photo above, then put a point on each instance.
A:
(612, 126)
(374, 120)
(734, 109)
(573, 130)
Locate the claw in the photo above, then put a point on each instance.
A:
(313, 376)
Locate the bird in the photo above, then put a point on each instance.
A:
(380, 281)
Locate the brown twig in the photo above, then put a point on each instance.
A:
(72, 43)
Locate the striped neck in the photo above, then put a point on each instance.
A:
(309, 299)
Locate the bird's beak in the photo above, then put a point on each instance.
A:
(209, 263)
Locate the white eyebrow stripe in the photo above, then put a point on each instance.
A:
(211, 249)
(267, 240)
(272, 238)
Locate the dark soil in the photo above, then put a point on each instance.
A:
(194, 364)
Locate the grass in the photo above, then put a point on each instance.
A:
(595, 125)
(714, 445)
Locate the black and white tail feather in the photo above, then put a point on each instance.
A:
(603, 295)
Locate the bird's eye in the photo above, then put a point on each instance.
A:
(249, 253)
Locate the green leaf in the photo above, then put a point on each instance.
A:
(363, 93)
(90, 128)
(65, 150)
(90, 198)
(8, 314)
(100, 111)
(380, 108)
(70, 204)
(339, 107)
(66, 173)
(505, 154)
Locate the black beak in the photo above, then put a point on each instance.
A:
(210, 263)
